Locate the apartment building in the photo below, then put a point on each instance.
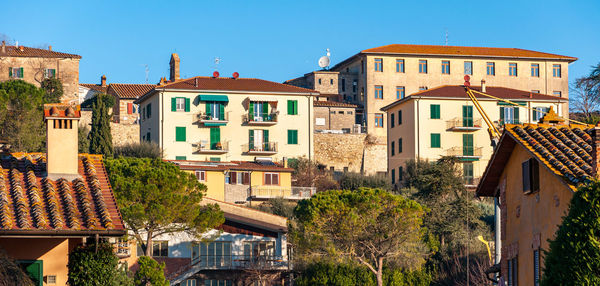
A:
(33, 65)
(442, 121)
(228, 119)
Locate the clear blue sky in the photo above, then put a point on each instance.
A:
(279, 40)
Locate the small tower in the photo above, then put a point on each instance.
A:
(174, 67)
(62, 121)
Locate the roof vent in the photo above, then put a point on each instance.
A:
(215, 74)
(236, 75)
(69, 112)
(53, 111)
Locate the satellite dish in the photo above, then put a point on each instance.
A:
(324, 61)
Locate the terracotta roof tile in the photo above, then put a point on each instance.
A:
(317, 103)
(13, 51)
(96, 87)
(62, 110)
(232, 165)
(132, 91)
(30, 202)
(464, 51)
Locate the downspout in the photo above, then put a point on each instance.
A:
(310, 132)
(418, 133)
(329, 114)
(497, 227)
(162, 111)
(546, 77)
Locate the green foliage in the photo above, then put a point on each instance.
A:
(307, 173)
(84, 139)
(153, 195)
(142, 149)
(574, 255)
(355, 181)
(88, 267)
(100, 136)
(21, 117)
(108, 100)
(278, 206)
(53, 90)
(150, 272)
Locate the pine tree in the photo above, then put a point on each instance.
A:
(100, 136)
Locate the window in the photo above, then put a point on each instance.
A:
(188, 282)
(535, 91)
(536, 267)
(160, 248)
(539, 112)
(354, 83)
(445, 67)
(378, 120)
(49, 73)
(468, 173)
(343, 84)
(149, 110)
(292, 137)
(422, 88)
(434, 111)
(535, 70)
(378, 65)
(531, 176)
(393, 148)
(292, 107)
(237, 178)
(214, 159)
(400, 92)
(379, 91)
(393, 176)
(400, 174)
(319, 81)
(180, 134)
(468, 149)
(556, 72)
(509, 115)
(467, 111)
(212, 254)
(201, 176)
(349, 112)
(512, 272)
(557, 93)
(422, 66)
(180, 104)
(400, 65)
(258, 249)
(214, 282)
(362, 66)
(15, 72)
(392, 120)
(469, 68)
(331, 81)
(491, 68)
(436, 140)
(399, 117)
(341, 112)
(271, 179)
(399, 145)
(512, 69)
(148, 136)
(181, 158)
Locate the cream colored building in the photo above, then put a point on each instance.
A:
(228, 119)
(443, 122)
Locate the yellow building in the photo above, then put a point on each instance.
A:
(243, 182)
(443, 122)
(533, 173)
(228, 118)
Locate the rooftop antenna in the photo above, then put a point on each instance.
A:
(324, 60)
(446, 37)
(218, 60)
(147, 72)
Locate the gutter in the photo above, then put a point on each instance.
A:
(59, 233)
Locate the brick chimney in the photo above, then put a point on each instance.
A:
(103, 81)
(483, 85)
(174, 67)
(596, 150)
(3, 47)
(49, 48)
(62, 121)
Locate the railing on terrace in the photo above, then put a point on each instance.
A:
(269, 118)
(239, 262)
(465, 151)
(207, 147)
(203, 116)
(472, 182)
(292, 193)
(464, 123)
(268, 147)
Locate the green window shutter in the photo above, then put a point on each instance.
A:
(467, 116)
(180, 134)
(265, 108)
(187, 104)
(468, 144)
(292, 136)
(266, 136)
(174, 104)
(399, 145)
(208, 109)
(534, 115)
(215, 137)
(182, 158)
(9, 72)
(22, 74)
(35, 270)
(501, 115)
(295, 107)
(436, 140)
(516, 120)
(221, 111)
(290, 107)
(435, 111)
(251, 139)
(251, 111)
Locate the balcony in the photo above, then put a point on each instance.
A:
(463, 124)
(472, 182)
(288, 193)
(225, 262)
(263, 120)
(465, 152)
(212, 120)
(269, 148)
(204, 147)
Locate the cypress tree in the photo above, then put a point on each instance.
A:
(100, 136)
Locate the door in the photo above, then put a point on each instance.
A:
(467, 116)
(258, 140)
(215, 139)
(258, 111)
(467, 144)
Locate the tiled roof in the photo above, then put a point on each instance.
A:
(232, 165)
(30, 203)
(61, 110)
(317, 103)
(566, 150)
(464, 51)
(133, 91)
(458, 91)
(96, 87)
(13, 51)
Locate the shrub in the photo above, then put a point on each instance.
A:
(150, 272)
(354, 181)
(11, 273)
(142, 149)
(90, 267)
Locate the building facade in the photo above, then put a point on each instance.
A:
(34, 65)
(228, 119)
(444, 122)
(125, 111)
(333, 116)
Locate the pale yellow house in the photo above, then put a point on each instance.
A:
(228, 119)
(443, 122)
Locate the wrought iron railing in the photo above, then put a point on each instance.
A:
(265, 117)
(463, 123)
(204, 146)
(262, 147)
(203, 116)
(465, 151)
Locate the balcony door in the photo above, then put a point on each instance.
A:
(215, 110)
(467, 116)
(259, 111)
(467, 144)
(509, 115)
(259, 140)
(215, 138)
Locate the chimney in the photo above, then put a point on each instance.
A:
(49, 48)
(21, 48)
(3, 47)
(103, 81)
(596, 149)
(483, 85)
(174, 67)
(62, 121)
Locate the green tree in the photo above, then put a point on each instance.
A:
(574, 255)
(355, 181)
(142, 149)
(53, 90)
(100, 136)
(150, 272)
(84, 139)
(278, 206)
(369, 226)
(156, 197)
(91, 265)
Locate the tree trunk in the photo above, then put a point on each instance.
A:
(148, 244)
(380, 271)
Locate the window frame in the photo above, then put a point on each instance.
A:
(400, 66)
(179, 104)
(535, 70)
(513, 69)
(445, 67)
(162, 251)
(378, 91)
(379, 120)
(423, 66)
(378, 65)
(200, 175)
(470, 68)
(400, 92)
(270, 177)
(530, 176)
(557, 70)
(490, 68)
(400, 145)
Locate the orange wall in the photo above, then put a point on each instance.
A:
(538, 213)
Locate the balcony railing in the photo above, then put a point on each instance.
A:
(213, 120)
(465, 152)
(290, 193)
(463, 124)
(263, 119)
(268, 148)
(205, 147)
(122, 249)
(472, 182)
(239, 262)
(501, 122)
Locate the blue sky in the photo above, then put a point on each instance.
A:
(279, 40)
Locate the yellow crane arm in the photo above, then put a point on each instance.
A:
(492, 129)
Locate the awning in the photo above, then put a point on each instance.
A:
(213, 97)
(262, 99)
(521, 103)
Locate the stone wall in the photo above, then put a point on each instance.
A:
(121, 133)
(356, 152)
(334, 118)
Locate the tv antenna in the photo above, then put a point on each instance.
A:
(147, 72)
(446, 37)
(218, 60)
(324, 61)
